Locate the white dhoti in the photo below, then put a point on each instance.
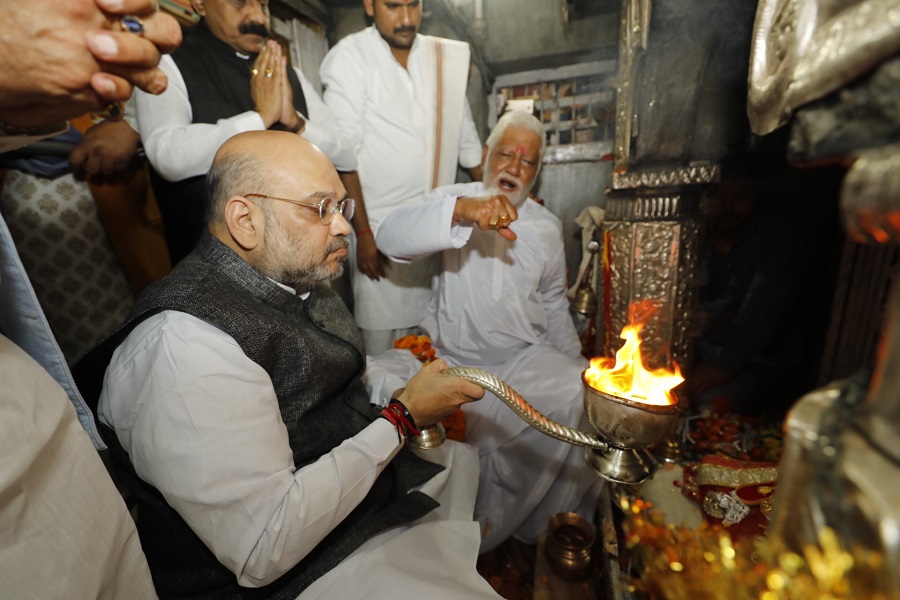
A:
(432, 557)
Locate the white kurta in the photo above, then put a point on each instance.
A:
(201, 423)
(501, 306)
(178, 148)
(387, 113)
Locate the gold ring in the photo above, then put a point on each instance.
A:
(492, 224)
(269, 73)
(504, 218)
(254, 71)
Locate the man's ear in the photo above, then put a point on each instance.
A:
(245, 221)
(370, 7)
(198, 7)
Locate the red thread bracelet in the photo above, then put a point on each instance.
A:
(391, 418)
(408, 420)
(396, 414)
(363, 231)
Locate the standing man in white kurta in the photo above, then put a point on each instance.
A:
(400, 97)
(500, 305)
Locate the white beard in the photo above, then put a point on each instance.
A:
(492, 189)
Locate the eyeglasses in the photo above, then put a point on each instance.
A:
(327, 206)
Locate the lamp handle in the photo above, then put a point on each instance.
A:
(513, 400)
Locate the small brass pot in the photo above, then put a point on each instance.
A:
(570, 539)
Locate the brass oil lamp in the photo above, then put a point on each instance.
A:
(630, 407)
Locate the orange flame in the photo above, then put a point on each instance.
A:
(626, 377)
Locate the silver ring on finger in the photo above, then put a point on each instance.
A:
(132, 24)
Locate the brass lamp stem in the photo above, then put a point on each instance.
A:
(528, 413)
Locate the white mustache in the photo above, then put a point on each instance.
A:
(340, 243)
(517, 197)
(496, 183)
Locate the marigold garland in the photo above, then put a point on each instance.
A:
(419, 345)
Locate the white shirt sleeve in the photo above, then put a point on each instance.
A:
(201, 423)
(130, 114)
(175, 146)
(322, 128)
(561, 331)
(426, 227)
(178, 148)
(470, 146)
(344, 79)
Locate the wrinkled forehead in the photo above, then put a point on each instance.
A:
(308, 180)
(520, 141)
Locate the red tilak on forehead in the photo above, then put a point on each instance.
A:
(521, 149)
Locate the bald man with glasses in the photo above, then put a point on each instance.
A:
(234, 409)
(227, 77)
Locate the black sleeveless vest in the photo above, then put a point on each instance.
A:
(312, 350)
(218, 85)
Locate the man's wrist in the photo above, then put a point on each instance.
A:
(267, 120)
(298, 126)
(455, 218)
(399, 416)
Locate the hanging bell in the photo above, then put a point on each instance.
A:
(585, 300)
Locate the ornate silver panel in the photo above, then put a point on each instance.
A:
(572, 153)
(653, 259)
(652, 208)
(668, 177)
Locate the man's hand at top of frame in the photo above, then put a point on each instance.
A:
(64, 59)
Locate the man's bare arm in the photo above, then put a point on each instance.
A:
(370, 261)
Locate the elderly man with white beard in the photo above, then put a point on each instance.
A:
(499, 304)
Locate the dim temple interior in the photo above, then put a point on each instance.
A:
(727, 179)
